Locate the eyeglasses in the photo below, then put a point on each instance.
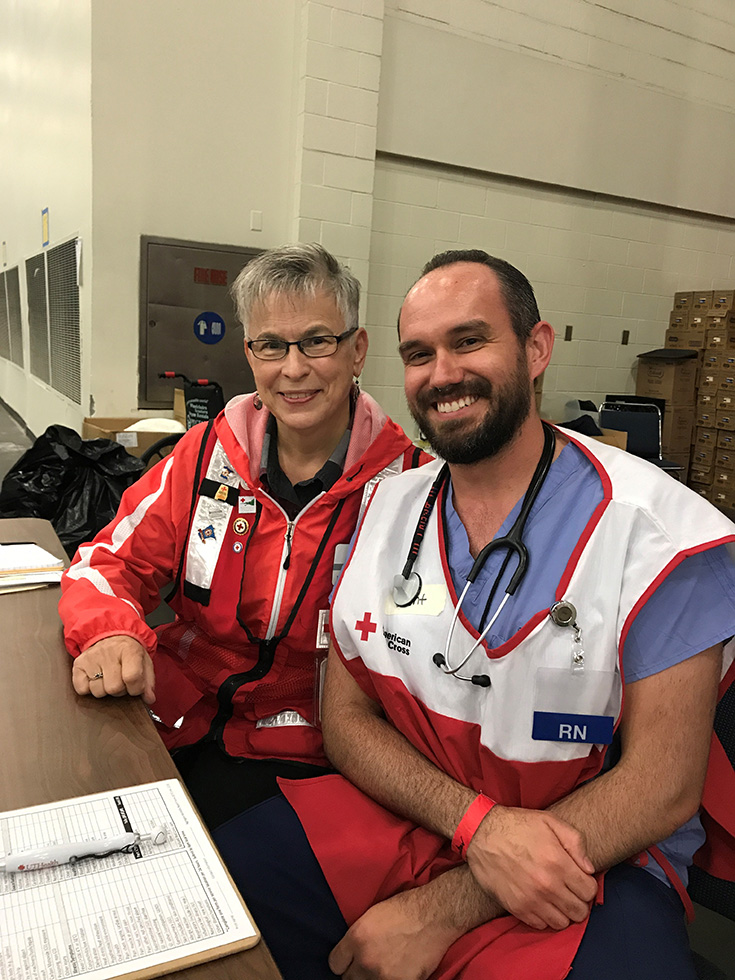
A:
(276, 350)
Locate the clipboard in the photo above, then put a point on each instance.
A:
(141, 915)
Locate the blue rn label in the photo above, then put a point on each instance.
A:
(552, 726)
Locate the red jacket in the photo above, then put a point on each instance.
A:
(238, 664)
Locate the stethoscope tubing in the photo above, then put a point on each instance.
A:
(512, 541)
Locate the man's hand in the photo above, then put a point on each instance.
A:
(535, 865)
(393, 941)
(116, 665)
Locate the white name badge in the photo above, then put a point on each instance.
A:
(576, 705)
(430, 601)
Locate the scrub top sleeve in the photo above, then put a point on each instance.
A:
(692, 609)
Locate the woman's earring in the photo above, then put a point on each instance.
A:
(257, 403)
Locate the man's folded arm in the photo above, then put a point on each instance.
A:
(535, 864)
(657, 784)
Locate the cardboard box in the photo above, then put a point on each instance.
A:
(703, 458)
(612, 437)
(136, 443)
(683, 301)
(725, 420)
(676, 430)
(727, 381)
(716, 338)
(702, 301)
(679, 318)
(727, 359)
(706, 401)
(723, 479)
(708, 383)
(678, 339)
(179, 406)
(703, 489)
(668, 374)
(725, 439)
(723, 299)
(704, 437)
(722, 497)
(728, 329)
(712, 360)
(701, 475)
(725, 460)
(716, 321)
(725, 400)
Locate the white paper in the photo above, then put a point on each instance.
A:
(21, 557)
(101, 918)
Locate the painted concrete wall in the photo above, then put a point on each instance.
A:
(505, 124)
(45, 162)
(192, 128)
(596, 265)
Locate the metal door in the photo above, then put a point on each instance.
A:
(187, 319)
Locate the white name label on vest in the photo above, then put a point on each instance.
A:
(430, 601)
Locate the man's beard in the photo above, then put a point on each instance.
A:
(458, 444)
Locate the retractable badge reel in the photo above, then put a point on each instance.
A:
(564, 614)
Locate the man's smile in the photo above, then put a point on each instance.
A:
(445, 407)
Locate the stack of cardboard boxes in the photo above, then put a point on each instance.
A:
(705, 323)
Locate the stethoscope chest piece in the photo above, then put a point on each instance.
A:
(563, 613)
(406, 590)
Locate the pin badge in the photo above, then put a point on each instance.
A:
(221, 492)
(237, 547)
(241, 526)
(206, 532)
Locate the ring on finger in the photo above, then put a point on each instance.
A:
(97, 677)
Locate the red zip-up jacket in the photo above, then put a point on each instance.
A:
(239, 664)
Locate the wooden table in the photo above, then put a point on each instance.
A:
(56, 745)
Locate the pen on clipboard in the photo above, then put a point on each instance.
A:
(52, 855)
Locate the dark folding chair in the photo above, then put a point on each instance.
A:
(642, 421)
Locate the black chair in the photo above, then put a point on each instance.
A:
(642, 422)
(705, 889)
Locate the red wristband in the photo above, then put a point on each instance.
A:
(467, 826)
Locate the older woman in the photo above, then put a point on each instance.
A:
(250, 517)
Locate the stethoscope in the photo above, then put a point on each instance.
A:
(407, 586)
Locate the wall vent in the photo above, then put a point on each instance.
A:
(11, 332)
(15, 326)
(53, 318)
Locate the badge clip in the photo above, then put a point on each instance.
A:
(564, 614)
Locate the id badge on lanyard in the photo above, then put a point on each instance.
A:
(575, 705)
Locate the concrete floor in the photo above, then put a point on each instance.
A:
(712, 936)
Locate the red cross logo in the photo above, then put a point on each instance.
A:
(365, 626)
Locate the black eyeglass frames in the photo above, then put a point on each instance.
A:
(273, 349)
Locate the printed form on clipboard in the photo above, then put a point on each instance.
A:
(27, 566)
(158, 908)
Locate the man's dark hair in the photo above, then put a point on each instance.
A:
(517, 291)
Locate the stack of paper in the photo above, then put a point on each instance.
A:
(27, 566)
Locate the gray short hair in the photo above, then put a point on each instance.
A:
(296, 270)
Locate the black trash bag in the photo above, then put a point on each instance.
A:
(75, 484)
